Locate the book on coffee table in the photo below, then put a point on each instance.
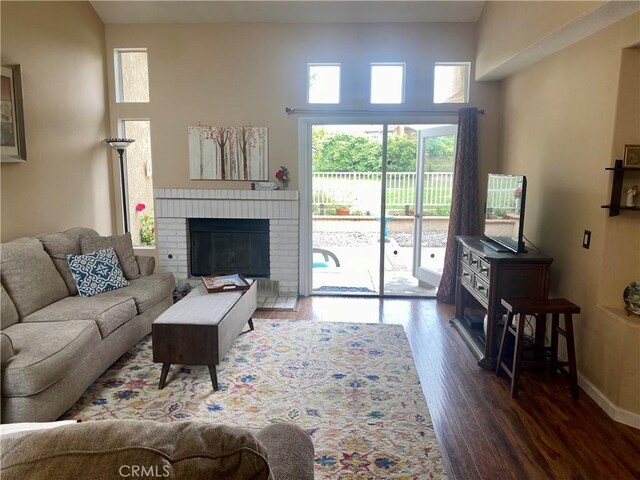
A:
(225, 283)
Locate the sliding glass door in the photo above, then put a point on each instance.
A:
(347, 186)
(375, 221)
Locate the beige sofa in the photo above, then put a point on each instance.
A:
(56, 343)
(114, 449)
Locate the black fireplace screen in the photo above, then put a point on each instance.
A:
(233, 245)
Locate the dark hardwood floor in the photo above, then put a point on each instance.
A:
(483, 433)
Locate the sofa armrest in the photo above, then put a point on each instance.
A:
(147, 264)
(6, 347)
(289, 451)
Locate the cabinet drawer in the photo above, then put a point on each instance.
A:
(466, 256)
(481, 287)
(475, 261)
(484, 269)
(466, 275)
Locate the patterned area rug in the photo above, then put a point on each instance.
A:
(352, 387)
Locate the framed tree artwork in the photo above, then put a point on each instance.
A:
(12, 138)
(228, 153)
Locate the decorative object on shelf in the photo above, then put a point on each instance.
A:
(14, 145)
(283, 177)
(631, 194)
(617, 199)
(228, 153)
(120, 144)
(631, 157)
(342, 211)
(265, 186)
(632, 298)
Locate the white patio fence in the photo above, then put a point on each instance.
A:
(360, 191)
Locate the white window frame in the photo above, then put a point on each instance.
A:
(466, 83)
(125, 188)
(315, 64)
(117, 71)
(404, 81)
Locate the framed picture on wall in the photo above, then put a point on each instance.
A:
(12, 139)
(631, 157)
(229, 153)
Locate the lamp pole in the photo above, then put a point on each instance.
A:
(120, 144)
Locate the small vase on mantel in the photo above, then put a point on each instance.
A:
(282, 176)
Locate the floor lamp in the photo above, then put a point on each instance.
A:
(120, 144)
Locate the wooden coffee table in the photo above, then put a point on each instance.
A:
(200, 329)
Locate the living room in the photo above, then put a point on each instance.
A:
(558, 82)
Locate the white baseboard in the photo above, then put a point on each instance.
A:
(616, 413)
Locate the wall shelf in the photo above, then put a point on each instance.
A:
(616, 189)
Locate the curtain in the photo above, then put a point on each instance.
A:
(464, 219)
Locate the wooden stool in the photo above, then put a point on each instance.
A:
(520, 307)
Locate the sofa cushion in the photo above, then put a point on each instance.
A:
(44, 353)
(96, 272)
(6, 347)
(147, 291)
(29, 276)
(108, 312)
(9, 312)
(59, 245)
(109, 449)
(124, 250)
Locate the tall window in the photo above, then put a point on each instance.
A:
(139, 184)
(132, 75)
(132, 86)
(324, 83)
(387, 82)
(451, 82)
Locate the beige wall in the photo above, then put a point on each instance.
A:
(565, 120)
(507, 28)
(66, 180)
(235, 74)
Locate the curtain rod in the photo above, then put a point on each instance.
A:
(291, 111)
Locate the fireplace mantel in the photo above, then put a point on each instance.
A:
(203, 193)
(174, 206)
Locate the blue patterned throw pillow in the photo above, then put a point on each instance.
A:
(96, 272)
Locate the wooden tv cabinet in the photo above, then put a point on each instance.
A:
(485, 276)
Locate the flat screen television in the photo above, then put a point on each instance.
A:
(504, 212)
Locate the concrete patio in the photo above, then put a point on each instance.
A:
(355, 243)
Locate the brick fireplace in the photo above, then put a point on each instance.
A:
(175, 206)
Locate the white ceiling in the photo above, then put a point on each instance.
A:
(297, 11)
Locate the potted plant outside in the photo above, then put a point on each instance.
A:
(342, 210)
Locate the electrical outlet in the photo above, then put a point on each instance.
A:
(586, 239)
